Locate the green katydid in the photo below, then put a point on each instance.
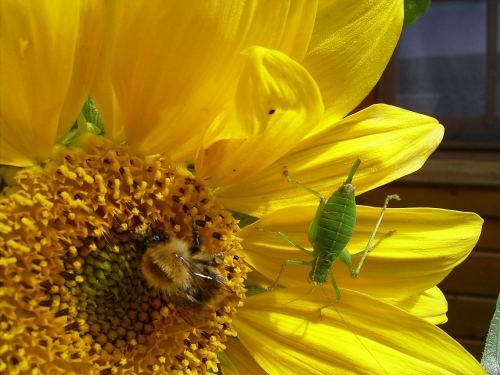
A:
(330, 231)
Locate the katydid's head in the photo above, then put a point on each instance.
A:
(353, 170)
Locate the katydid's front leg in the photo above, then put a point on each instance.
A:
(291, 262)
(299, 185)
(288, 262)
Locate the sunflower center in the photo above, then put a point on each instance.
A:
(113, 262)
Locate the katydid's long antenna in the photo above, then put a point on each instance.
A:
(354, 168)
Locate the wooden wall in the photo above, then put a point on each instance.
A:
(462, 181)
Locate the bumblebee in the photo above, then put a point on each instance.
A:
(180, 271)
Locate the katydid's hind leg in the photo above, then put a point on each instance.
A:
(288, 262)
(337, 295)
(369, 246)
(345, 257)
(298, 184)
(375, 245)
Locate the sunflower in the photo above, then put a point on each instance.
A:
(120, 247)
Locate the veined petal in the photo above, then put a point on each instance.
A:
(165, 82)
(430, 305)
(50, 52)
(284, 333)
(391, 142)
(239, 360)
(351, 44)
(427, 245)
(276, 104)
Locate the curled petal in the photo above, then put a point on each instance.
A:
(391, 142)
(276, 104)
(163, 83)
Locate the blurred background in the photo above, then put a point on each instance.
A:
(447, 66)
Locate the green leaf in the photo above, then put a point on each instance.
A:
(71, 136)
(244, 219)
(91, 114)
(89, 121)
(491, 354)
(414, 9)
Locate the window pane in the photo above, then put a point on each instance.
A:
(442, 61)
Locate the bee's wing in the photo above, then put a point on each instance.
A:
(200, 275)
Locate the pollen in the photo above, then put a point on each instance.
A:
(74, 297)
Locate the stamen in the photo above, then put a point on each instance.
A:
(74, 235)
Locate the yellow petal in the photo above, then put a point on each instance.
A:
(285, 335)
(166, 80)
(49, 55)
(427, 245)
(430, 305)
(351, 44)
(276, 104)
(236, 360)
(391, 142)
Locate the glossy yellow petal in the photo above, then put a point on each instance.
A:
(358, 335)
(236, 360)
(427, 245)
(164, 82)
(49, 53)
(430, 305)
(390, 141)
(276, 104)
(351, 44)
